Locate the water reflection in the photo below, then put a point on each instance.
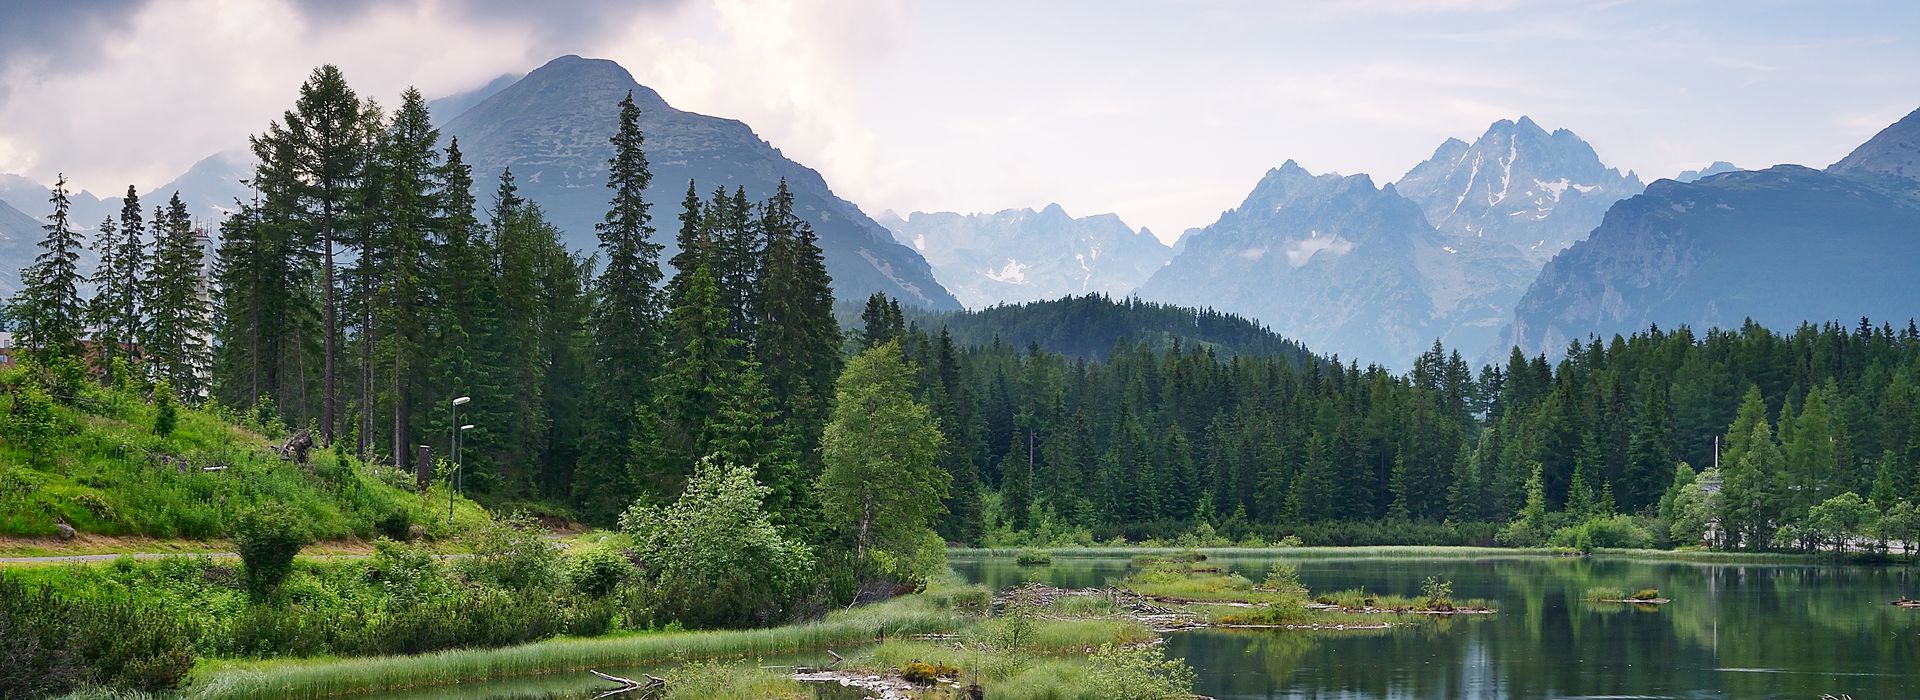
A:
(1730, 632)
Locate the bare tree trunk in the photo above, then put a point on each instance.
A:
(327, 371)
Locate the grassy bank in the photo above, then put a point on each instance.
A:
(242, 680)
(101, 468)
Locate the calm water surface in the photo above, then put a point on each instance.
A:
(1732, 631)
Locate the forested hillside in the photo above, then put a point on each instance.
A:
(1093, 326)
(1155, 443)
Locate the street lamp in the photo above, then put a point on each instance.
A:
(453, 483)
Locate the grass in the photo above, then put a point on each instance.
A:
(332, 678)
(105, 472)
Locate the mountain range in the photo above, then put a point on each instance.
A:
(1379, 273)
(1021, 255)
(1781, 246)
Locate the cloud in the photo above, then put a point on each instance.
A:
(129, 91)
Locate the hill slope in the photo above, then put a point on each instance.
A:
(104, 471)
(1091, 326)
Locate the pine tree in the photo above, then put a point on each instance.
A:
(626, 325)
(1650, 456)
(179, 342)
(468, 361)
(328, 153)
(1016, 485)
(119, 283)
(798, 342)
(695, 245)
(692, 384)
(396, 260)
(48, 307)
(880, 321)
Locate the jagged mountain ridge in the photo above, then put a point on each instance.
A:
(1020, 255)
(1781, 246)
(552, 126)
(1328, 260)
(1519, 185)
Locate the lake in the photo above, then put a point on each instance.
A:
(1732, 631)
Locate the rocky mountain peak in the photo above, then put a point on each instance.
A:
(1894, 151)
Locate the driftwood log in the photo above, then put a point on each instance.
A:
(295, 448)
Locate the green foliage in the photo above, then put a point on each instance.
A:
(713, 558)
(1611, 532)
(882, 485)
(51, 643)
(165, 415)
(1438, 593)
(513, 552)
(267, 537)
(1284, 578)
(1129, 672)
(598, 572)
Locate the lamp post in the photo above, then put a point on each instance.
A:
(452, 479)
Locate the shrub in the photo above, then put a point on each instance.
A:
(713, 558)
(1617, 531)
(1033, 559)
(1647, 594)
(268, 537)
(165, 415)
(514, 553)
(597, 572)
(396, 524)
(1122, 672)
(1284, 577)
(50, 644)
(1438, 593)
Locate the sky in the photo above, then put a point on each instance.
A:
(1165, 112)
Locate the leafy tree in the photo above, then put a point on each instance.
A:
(882, 483)
(713, 558)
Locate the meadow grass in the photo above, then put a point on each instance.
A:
(106, 472)
(336, 677)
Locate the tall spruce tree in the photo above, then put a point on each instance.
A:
(48, 308)
(798, 343)
(410, 177)
(180, 341)
(467, 361)
(312, 162)
(119, 282)
(626, 326)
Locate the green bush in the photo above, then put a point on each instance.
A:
(1129, 672)
(514, 553)
(597, 572)
(396, 524)
(1284, 577)
(268, 537)
(713, 558)
(165, 415)
(1612, 532)
(51, 644)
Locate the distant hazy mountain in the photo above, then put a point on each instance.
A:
(1718, 166)
(1517, 185)
(1782, 246)
(552, 128)
(1327, 260)
(1018, 255)
(210, 188)
(19, 234)
(1894, 151)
